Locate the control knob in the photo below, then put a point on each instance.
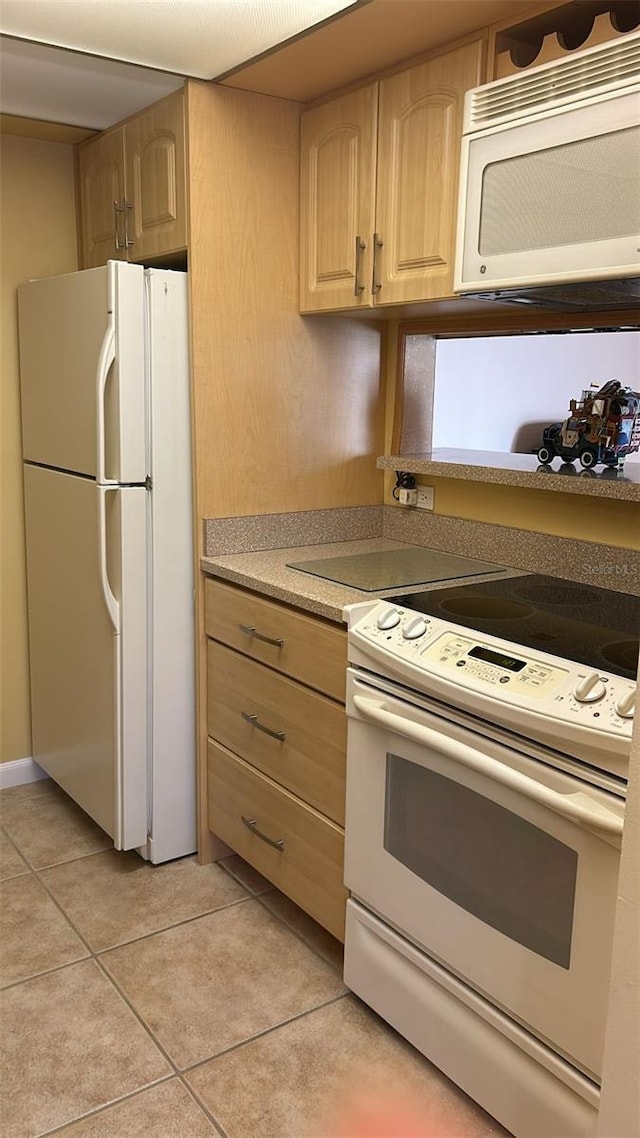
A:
(415, 627)
(626, 704)
(590, 689)
(388, 618)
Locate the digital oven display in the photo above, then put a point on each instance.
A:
(509, 662)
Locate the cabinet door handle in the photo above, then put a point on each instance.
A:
(255, 722)
(249, 630)
(127, 240)
(377, 246)
(360, 248)
(117, 210)
(251, 824)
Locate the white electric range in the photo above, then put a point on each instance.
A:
(486, 776)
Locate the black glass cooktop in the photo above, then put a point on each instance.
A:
(592, 626)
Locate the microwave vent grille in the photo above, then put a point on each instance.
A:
(587, 73)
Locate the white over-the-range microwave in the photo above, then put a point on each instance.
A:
(549, 206)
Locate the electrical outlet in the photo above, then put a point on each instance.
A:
(424, 499)
(407, 497)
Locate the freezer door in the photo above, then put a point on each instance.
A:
(87, 583)
(82, 372)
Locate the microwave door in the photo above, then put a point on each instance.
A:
(552, 199)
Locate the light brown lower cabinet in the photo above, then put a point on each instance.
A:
(293, 734)
(277, 744)
(294, 846)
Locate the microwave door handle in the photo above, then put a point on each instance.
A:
(577, 807)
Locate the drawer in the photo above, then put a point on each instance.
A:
(309, 867)
(312, 651)
(309, 757)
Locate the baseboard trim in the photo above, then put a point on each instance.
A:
(19, 771)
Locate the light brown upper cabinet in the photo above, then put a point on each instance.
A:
(337, 206)
(102, 194)
(132, 187)
(379, 178)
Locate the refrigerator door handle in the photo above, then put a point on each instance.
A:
(105, 360)
(113, 607)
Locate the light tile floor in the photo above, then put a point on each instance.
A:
(179, 1001)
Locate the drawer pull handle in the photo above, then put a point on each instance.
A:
(249, 630)
(252, 825)
(255, 722)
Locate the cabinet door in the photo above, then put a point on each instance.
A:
(155, 181)
(101, 177)
(338, 160)
(420, 128)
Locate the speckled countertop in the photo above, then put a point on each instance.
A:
(521, 470)
(267, 572)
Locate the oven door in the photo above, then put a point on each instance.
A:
(500, 867)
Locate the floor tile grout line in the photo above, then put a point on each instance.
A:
(28, 867)
(203, 1107)
(96, 958)
(73, 860)
(50, 865)
(236, 877)
(272, 889)
(144, 936)
(106, 1106)
(177, 925)
(97, 961)
(137, 1014)
(265, 893)
(66, 916)
(261, 1034)
(308, 944)
(46, 972)
(25, 797)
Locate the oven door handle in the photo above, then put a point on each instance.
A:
(578, 807)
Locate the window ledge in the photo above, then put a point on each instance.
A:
(520, 470)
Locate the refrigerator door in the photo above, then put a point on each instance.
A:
(87, 586)
(82, 372)
(172, 591)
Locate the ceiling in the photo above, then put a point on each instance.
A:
(91, 63)
(369, 39)
(121, 55)
(200, 38)
(39, 82)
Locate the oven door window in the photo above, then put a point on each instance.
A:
(496, 865)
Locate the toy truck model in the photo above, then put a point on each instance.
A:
(603, 426)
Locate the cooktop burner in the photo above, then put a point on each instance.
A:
(592, 626)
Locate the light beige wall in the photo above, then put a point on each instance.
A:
(37, 227)
(601, 520)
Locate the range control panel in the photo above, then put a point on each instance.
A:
(532, 679)
(533, 693)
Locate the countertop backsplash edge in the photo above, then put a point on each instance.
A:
(224, 536)
(315, 532)
(590, 563)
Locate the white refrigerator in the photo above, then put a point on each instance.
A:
(106, 425)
